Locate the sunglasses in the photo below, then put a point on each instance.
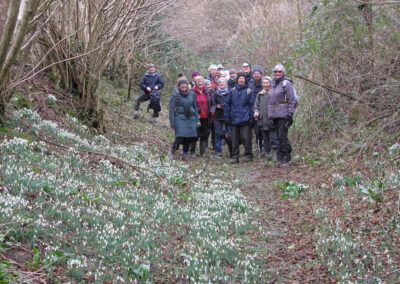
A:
(278, 71)
(245, 66)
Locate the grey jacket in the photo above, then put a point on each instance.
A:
(281, 105)
(261, 106)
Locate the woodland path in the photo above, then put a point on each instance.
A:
(286, 244)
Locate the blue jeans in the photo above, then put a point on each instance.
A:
(219, 126)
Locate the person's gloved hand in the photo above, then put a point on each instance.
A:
(252, 121)
(289, 121)
(198, 124)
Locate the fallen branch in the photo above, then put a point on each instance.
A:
(388, 113)
(331, 89)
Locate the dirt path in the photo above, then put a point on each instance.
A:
(285, 244)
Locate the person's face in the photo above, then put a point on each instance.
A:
(278, 74)
(232, 76)
(208, 85)
(223, 74)
(257, 75)
(213, 71)
(152, 70)
(246, 68)
(199, 85)
(183, 87)
(241, 80)
(222, 85)
(216, 78)
(266, 84)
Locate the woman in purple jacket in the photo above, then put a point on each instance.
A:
(282, 104)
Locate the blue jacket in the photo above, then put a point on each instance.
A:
(239, 107)
(151, 80)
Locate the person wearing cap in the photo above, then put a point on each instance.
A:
(239, 115)
(265, 124)
(203, 104)
(192, 83)
(183, 118)
(151, 81)
(256, 87)
(282, 104)
(220, 67)
(246, 68)
(232, 79)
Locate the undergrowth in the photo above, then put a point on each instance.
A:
(105, 212)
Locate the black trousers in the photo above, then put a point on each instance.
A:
(141, 99)
(203, 132)
(284, 148)
(185, 141)
(241, 134)
(259, 137)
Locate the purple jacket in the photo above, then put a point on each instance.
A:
(281, 106)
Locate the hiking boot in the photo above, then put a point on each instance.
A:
(248, 159)
(135, 114)
(284, 164)
(155, 121)
(218, 154)
(275, 156)
(269, 156)
(235, 161)
(185, 157)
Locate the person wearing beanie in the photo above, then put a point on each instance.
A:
(192, 83)
(282, 104)
(256, 87)
(239, 115)
(183, 118)
(265, 125)
(151, 82)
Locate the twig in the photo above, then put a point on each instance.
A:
(388, 113)
(199, 174)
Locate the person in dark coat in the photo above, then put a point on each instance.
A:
(232, 79)
(219, 98)
(282, 104)
(183, 117)
(203, 101)
(265, 125)
(256, 87)
(239, 114)
(246, 67)
(151, 81)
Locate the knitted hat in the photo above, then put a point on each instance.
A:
(232, 71)
(241, 74)
(267, 78)
(195, 73)
(150, 65)
(257, 68)
(180, 74)
(182, 80)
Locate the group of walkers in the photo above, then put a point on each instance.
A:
(228, 105)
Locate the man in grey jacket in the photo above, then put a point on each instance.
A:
(282, 104)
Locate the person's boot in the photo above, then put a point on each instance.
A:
(185, 156)
(171, 152)
(135, 114)
(155, 120)
(269, 156)
(275, 156)
(235, 161)
(202, 151)
(248, 159)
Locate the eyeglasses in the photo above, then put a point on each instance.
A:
(278, 71)
(244, 66)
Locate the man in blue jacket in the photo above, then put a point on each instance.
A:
(150, 82)
(239, 113)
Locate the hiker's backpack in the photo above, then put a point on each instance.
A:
(296, 96)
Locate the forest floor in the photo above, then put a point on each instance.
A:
(314, 222)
